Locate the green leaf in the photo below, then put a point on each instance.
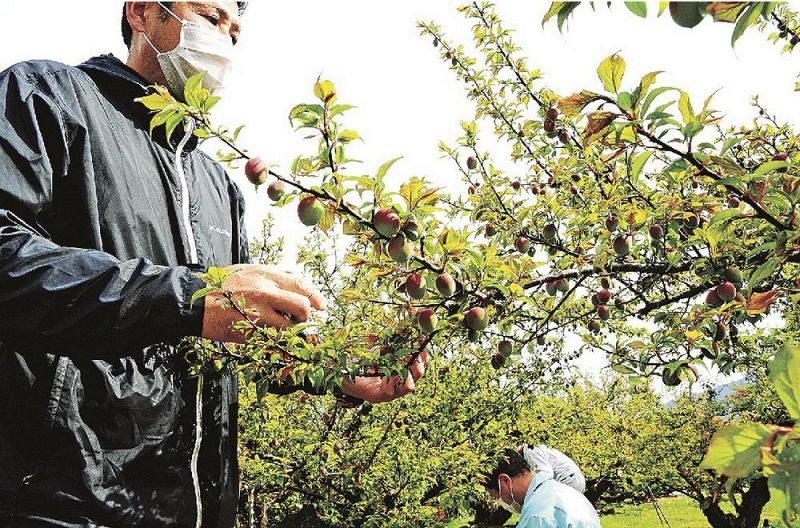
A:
(726, 11)
(339, 109)
(651, 97)
(625, 101)
(575, 103)
(749, 18)
(173, 122)
(770, 166)
(556, 10)
(784, 494)
(202, 292)
(611, 71)
(764, 270)
(158, 100)
(563, 15)
(346, 136)
(685, 107)
(192, 90)
(385, 168)
(735, 450)
(638, 164)
(784, 373)
(637, 8)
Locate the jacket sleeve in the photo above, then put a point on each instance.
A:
(66, 300)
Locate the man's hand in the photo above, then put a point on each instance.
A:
(272, 297)
(385, 389)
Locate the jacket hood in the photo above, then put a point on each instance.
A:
(113, 75)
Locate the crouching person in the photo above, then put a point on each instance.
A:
(538, 497)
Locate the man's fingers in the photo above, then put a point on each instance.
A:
(271, 318)
(290, 303)
(417, 368)
(295, 283)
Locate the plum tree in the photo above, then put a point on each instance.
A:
(638, 150)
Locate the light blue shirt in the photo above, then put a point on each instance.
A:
(551, 504)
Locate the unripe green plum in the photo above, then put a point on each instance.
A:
(593, 326)
(687, 14)
(713, 300)
(671, 378)
(562, 285)
(427, 320)
(276, 190)
(549, 232)
(733, 275)
(550, 288)
(416, 286)
(726, 291)
(622, 245)
(386, 222)
(411, 230)
(721, 332)
(473, 335)
(310, 210)
(256, 171)
(399, 249)
(476, 318)
(446, 285)
(498, 361)
(505, 348)
(522, 244)
(656, 232)
(472, 163)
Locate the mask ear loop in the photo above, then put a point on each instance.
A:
(151, 44)
(168, 10)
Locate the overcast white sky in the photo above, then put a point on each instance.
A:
(408, 99)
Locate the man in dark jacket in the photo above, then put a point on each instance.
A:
(101, 230)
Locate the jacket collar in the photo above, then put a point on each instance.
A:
(115, 77)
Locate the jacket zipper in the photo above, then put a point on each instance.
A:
(185, 204)
(193, 259)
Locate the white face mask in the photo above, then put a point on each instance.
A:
(200, 49)
(514, 507)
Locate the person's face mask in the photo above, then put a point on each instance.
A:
(514, 507)
(200, 49)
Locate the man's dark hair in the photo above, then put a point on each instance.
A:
(512, 464)
(127, 30)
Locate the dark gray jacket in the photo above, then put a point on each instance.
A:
(99, 227)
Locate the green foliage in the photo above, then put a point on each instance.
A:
(738, 450)
(687, 14)
(588, 178)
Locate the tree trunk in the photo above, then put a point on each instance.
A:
(753, 503)
(595, 489)
(748, 515)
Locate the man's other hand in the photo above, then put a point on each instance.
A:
(384, 389)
